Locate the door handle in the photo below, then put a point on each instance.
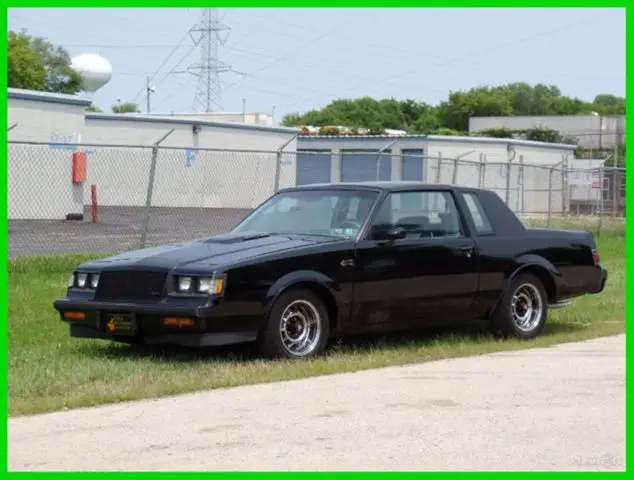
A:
(467, 250)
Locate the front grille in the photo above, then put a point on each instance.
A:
(136, 286)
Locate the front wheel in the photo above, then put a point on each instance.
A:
(297, 326)
(523, 309)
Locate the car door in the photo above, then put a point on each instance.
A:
(427, 276)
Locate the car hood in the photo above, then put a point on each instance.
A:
(217, 250)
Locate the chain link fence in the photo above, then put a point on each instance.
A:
(113, 198)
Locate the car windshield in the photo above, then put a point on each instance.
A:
(330, 212)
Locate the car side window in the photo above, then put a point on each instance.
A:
(480, 220)
(425, 214)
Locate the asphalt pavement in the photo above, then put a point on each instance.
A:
(558, 408)
(118, 229)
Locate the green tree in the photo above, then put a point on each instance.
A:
(452, 115)
(93, 108)
(607, 104)
(37, 64)
(477, 102)
(25, 68)
(127, 107)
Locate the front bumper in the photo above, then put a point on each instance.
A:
(179, 339)
(209, 326)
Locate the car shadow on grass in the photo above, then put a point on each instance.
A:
(435, 336)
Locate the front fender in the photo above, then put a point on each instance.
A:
(293, 278)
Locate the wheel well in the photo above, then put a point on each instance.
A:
(324, 294)
(545, 277)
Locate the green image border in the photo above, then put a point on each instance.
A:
(4, 300)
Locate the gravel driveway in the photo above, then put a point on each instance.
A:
(539, 409)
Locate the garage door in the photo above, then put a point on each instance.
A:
(413, 164)
(313, 166)
(360, 166)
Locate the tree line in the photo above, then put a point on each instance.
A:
(34, 63)
(451, 116)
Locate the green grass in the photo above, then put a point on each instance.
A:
(50, 371)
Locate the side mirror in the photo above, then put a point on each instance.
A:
(396, 233)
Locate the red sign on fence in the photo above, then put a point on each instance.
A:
(596, 180)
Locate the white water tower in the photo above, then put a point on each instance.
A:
(95, 71)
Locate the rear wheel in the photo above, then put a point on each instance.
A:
(297, 326)
(523, 309)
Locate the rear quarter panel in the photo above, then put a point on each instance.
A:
(565, 255)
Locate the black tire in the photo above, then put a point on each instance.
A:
(503, 320)
(270, 343)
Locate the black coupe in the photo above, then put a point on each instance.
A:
(322, 261)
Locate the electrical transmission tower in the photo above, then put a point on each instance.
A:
(209, 33)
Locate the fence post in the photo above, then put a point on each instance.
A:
(481, 171)
(564, 186)
(278, 163)
(507, 193)
(601, 188)
(520, 176)
(454, 177)
(378, 158)
(439, 167)
(550, 197)
(150, 189)
(614, 191)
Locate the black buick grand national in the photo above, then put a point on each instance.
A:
(319, 261)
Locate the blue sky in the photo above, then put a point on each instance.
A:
(299, 59)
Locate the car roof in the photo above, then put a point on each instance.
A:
(392, 186)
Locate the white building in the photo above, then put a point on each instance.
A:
(474, 161)
(588, 131)
(39, 176)
(236, 170)
(249, 118)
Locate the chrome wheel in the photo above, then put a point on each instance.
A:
(527, 307)
(300, 327)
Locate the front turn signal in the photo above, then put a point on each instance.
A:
(75, 315)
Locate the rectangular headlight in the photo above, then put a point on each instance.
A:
(94, 280)
(184, 284)
(82, 279)
(211, 285)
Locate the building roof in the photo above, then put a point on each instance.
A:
(119, 117)
(439, 138)
(47, 97)
(391, 185)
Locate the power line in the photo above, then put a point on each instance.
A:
(160, 67)
(292, 52)
(479, 51)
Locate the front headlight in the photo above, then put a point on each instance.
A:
(82, 279)
(184, 284)
(88, 281)
(211, 285)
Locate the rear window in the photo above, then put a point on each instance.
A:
(480, 220)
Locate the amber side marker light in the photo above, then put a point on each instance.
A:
(178, 322)
(75, 315)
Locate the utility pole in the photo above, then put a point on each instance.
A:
(149, 90)
(208, 70)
